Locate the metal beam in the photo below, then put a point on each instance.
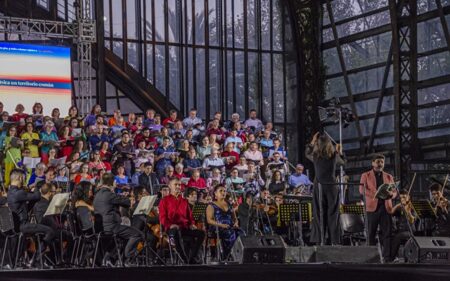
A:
(344, 68)
(443, 22)
(404, 39)
(380, 99)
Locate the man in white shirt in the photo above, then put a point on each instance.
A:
(192, 120)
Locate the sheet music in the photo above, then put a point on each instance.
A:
(169, 154)
(184, 180)
(30, 162)
(76, 132)
(58, 162)
(145, 205)
(57, 204)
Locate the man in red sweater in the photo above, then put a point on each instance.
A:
(176, 217)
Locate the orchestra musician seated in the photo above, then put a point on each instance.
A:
(178, 222)
(106, 203)
(407, 221)
(440, 204)
(56, 223)
(19, 201)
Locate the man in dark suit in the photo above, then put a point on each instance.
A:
(106, 204)
(55, 222)
(148, 179)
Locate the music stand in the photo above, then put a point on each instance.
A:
(145, 205)
(56, 208)
(423, 209)
(199, 211)
(288, 213)
(352, 209)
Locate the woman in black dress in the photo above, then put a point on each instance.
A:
(325, 158)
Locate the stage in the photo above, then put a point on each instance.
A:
(259, 272)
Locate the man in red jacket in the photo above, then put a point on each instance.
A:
(378, 211)
(176, 217)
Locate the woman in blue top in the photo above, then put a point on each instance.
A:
(221, 217)
(121, 178)
(49, 139)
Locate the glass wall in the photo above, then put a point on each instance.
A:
(364, 36)
(215, 55)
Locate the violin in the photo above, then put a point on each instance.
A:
(442, 203)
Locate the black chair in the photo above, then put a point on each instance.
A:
(102, 235)
(353, 228)
(7, 230)
(86, 236)
(213, 242)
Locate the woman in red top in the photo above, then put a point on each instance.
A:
(19, 115)
(96, 163)
(105, 154)
(68, 142)
(83, 174)
(196, 181)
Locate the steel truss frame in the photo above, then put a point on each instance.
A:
(83, 33)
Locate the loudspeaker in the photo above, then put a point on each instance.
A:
(427, 250)
(334, 254)
(258, 249)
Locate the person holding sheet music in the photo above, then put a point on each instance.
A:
(49, 139)
(196, 181)
(67, 142)
(13, 155)
(164, 156)
(234, 182)
(192, 162)
(231, 157)
(254, 154)
(325, 158)
(213, 161)
(176, 217)
(31, 140)
(278, 148)
(378, 211)
(277, 164)
(125, 152)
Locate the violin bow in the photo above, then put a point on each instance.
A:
(412, 183)
(445, 183)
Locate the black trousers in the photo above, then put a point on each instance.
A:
(35, 228)
(331, 215)
(383, 219)
(139, 222)
(398, 239)
(192, 241)
(132, 235)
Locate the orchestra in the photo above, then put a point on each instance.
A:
(205, 186)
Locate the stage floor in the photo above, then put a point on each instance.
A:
(249, 272)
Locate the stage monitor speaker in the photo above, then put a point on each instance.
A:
(259, 249)
(427, 250)
(333, 254)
